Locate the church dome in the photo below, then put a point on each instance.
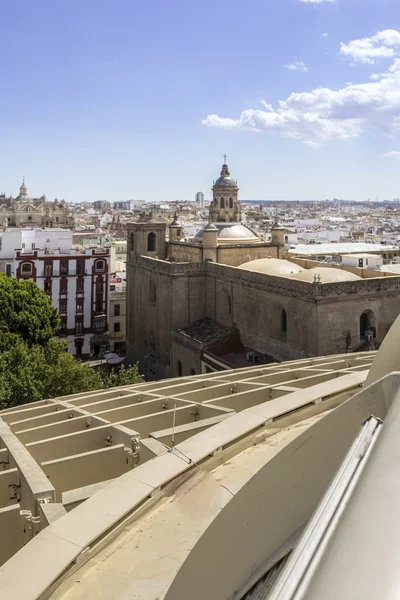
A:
(272, 266)
(326, 275)
(23, 192)
(225, 180)
(229, 232)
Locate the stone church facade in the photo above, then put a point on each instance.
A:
(190, 309)
(24, 211)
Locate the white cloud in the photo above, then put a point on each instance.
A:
(367, 50)
(311, 144)
(317, 1)
(393, 154)
(324, 34)
(298, 65)
(267, 106)
(325, 114)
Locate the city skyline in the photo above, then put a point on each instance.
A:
(142, 100)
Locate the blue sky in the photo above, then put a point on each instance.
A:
(120, 99)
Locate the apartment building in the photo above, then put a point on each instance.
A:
(117, 321)
(76, 281)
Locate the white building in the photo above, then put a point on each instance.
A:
(199, 199)
(76, 281)
(362, 261)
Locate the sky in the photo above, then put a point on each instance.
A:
(120, 99)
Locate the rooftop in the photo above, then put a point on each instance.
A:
(161, 469)
(206, 331)
(365, 255)
(351, 248)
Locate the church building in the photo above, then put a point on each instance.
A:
(227, 298)
(24, 211)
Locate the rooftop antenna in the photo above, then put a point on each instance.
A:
(225, 157)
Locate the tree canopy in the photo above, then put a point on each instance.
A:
(33, 364)
(34, 372)
(26, 311)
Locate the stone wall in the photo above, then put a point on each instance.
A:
(227, 254)
(237, 255)
(318, 316)
(187, 354)
(183, 252)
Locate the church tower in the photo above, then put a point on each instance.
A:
(147, 237)
(225, 205)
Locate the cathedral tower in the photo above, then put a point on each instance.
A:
(225, 205)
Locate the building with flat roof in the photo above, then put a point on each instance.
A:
(300, 250)
(76, 282)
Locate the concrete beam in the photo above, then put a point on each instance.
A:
(8, 479)
(11, 530)
(85, 469)
(34, 483)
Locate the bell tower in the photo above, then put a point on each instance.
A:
(225, 205)
(147, 237)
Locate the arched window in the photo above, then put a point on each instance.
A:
(132, 242)
(283, 322)
(226, 302)
(151, 242)
(152, 293)
(367, 322)
(230, 203)
(100, 265)
(363, 324)
(222, 203)
(179, 368)
(192, 372)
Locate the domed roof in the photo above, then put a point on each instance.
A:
(175, 222)
(229, 231)
(277, 225)
(327, 275)
(210, 227)
(23, 192)
(225, 180)
(272, 266)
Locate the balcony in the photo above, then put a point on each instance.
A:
(71, 273)
(117, 334)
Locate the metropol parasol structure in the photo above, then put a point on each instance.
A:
(273, 481)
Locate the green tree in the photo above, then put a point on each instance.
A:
(31, 373)
(125, 376)
(33, 364)
(26, 311)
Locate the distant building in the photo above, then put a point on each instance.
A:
(76, 282)
(124, 205)
(101, 205)
(199, 198)
(25, 211)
